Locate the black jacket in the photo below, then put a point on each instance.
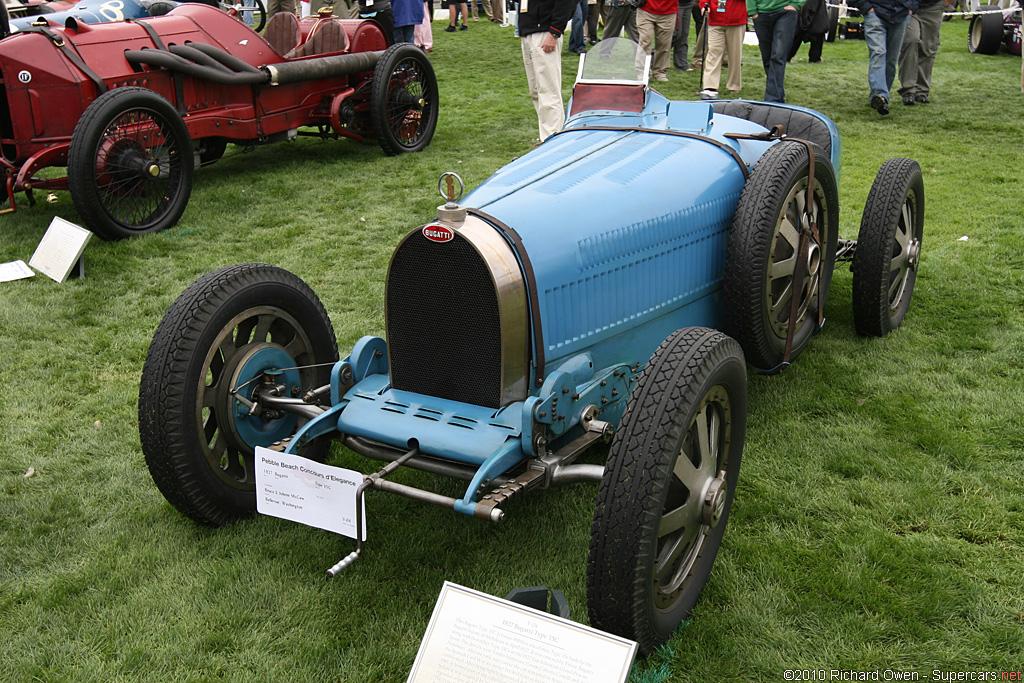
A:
(545, 15)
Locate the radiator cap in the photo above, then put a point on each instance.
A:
(451, 212)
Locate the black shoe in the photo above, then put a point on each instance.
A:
(450, 29)
(463, 28)
(921, 98)
(908, 99)
(879, 104)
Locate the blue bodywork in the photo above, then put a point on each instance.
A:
(625, 218)
(88, 11)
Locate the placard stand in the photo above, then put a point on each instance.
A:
(517, 643)
(59, 254)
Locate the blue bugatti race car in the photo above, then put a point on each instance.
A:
(582, 294)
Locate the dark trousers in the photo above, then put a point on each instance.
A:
(817, 41)
(681, 37)
(775, 33)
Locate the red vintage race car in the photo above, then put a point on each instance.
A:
(131, 108)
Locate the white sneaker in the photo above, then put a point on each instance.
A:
(709, 94)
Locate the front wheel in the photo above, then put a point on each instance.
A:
(130, 164)
(221, 337)
(888, 248)
(403, 100)
(667, 488)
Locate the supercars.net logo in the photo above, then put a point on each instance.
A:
(438, 233)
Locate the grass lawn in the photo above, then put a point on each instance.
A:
(879, 516)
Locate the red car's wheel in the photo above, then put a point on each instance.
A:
(130, 164)
(403, 100)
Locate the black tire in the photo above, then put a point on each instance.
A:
(888, 248)
(762, 247)
(833, 25)
(198, 448)
(985, 34)
(695, 374)
(211, 150)
(130, 164)
(403, 100)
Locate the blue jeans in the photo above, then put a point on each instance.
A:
(775, 33)
(404, 34)
(576, 40)
(884, 39)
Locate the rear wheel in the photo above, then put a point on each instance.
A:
(985, 34)
(403, 100)
(888, 248)
(220, 337)
(764, 288)
(667, 488)
(130, 164)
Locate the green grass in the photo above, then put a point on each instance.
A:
(879, 518)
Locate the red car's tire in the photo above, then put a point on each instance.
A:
(403, 100)
(130, 164)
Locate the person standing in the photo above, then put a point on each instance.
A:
(681, 36)
(456, 7)
(408, 15)
(424, 33)
(726, 22)
(577, 41)
(885, 23)
(775, 25)
(917, 55)
(541, 23)
(811, 28)
(379, 11)
(656, 22)
(621, 14)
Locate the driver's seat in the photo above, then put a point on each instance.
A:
(282, 32)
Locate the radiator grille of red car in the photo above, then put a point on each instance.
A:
(443, 326)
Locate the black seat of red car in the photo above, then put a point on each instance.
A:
(796, 124)
(282, 32)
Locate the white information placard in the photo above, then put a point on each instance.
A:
(473, 636)
(60, 249)
(307, 492)
(15, 270)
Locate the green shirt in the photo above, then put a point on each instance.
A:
(769, 6)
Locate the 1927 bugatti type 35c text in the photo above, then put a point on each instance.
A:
(581, 293)
(132, 107)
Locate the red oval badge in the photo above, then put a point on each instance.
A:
(438, 233)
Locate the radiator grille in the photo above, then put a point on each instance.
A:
(443, 327)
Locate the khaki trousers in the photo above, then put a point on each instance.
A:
(544, 78)
(723, 40)
(656, 37)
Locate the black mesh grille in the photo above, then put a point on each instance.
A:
(444, 337)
